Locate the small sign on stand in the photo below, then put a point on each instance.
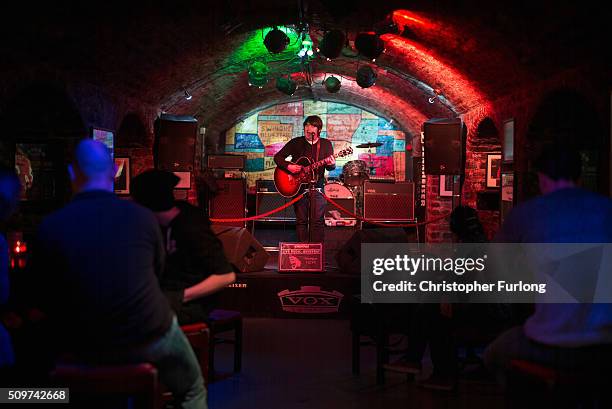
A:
(300, 257)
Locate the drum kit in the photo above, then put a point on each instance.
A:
(353, 176)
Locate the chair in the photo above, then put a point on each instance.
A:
(138, 381)
(198, 336)
(221, 321)
(377, 322)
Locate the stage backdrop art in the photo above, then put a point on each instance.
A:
(264, 133)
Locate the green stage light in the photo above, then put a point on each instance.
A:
(286, 85)
(276, 41)
(258, 74)
(332, 84)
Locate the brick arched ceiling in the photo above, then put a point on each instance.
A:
(471, 53)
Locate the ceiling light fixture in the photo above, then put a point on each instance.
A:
(332, 43)
(332, 84)
(366, 76)
(258, 74)
(369, 45)
(188, 96)
(276, 41)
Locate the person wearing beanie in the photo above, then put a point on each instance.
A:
(196, 267)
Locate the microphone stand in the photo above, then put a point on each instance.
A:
(311, 191)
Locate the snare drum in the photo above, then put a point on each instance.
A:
(355, 172)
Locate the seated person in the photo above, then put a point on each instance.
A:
(196, 267)
(569, 336)
(96, 266)
(9, 196)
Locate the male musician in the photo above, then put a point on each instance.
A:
(313, 147)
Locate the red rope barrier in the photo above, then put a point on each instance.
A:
(245, 219)
(330, 200)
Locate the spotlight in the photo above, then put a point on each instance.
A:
(306, 49)
(366, 76)
(369, 45)
(332, 43)
(387, 26)
(332, 84)
(276, 41)
(286, 85)
(188, 96)
(258, 74)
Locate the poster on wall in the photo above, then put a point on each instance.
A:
(35, 168)
(264, 133)
(493, 170)
(105, 136)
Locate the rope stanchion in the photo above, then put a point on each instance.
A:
(330, 200)
(260, 216)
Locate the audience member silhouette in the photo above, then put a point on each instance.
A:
(97, 261)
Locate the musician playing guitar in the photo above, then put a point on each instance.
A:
(314, 148)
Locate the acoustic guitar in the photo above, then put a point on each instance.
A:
(288, 184)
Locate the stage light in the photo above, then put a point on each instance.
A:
(332, 84)
(276, 41)
(366, 76)
(258, 74)
(369, 45)
(188, 96)
(332, 43)
(306, 49)
(286, 85)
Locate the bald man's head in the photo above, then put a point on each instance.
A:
(93, 166)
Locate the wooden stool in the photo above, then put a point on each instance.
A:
(223, 321)
(138, 381)
(198, 336)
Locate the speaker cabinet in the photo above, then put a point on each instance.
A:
(229, 202)
(226, 161)
(175, 142)
(349, 255)
(242, 250)
(442, 146)
(388, 201)
(268, 198)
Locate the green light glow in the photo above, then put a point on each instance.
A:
(253, 48)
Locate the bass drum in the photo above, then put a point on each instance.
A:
(337, 190)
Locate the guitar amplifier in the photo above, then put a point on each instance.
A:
(226, 161)
(388, 201)
(229, 201)
(268, 198)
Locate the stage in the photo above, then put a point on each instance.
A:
(328, 294)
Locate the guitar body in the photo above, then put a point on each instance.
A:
(287, 183)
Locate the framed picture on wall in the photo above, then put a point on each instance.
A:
(494, 170)
(106, 136)
(446, 185)
(122, 177)
(508, 150)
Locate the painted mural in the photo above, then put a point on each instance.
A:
(264, 133)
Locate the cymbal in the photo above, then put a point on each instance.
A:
(369, 145)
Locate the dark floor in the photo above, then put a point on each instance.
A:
(306, 363)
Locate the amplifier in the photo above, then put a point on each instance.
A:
(388, 201)
(229, 202)
(268, 198)
(228, 174)
(226, 161)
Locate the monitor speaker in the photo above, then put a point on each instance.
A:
(349, 255)
(175, 140)
(443, 146)
(242, 250)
